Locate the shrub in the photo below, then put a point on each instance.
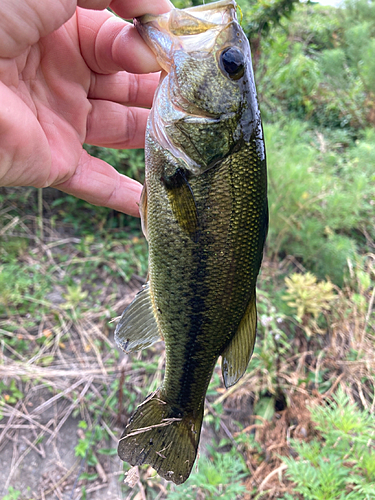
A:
(320, 197)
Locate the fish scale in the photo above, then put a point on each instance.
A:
(204, 212)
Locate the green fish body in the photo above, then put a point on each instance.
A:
(204, 213)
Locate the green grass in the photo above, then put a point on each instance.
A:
(320, 198)
(72, 281)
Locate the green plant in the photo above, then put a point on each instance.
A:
(340, 465)
(216, 477)
(309, 298)
(18, 282)
(320, 204)
(272, 345)
(325, 70)
(12, 248)
(87, 443)
(75, 299)
(9, 393)
(12, 494)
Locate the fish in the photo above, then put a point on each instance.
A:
(204, 213)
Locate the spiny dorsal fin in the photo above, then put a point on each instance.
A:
(137, 327)
(237, 355)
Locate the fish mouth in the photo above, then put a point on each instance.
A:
(195, 29)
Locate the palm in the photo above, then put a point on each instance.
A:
(51, 96)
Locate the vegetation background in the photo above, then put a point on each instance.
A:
(300, 423)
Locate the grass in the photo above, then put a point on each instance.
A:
(321, 198)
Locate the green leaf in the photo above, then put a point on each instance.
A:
(265, 407)
(108, 451)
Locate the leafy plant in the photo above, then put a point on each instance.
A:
(9, 393)
(75, 299)
(12, 494)
(87, 443)
(341, 465)
(325, 71)
(272, 345)
(216, 477)
(17, 283)
(309, 298)
(320, 204)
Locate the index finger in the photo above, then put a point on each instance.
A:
(109, 44)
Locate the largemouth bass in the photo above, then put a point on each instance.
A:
(204, 213)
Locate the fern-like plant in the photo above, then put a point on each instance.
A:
(341, 465)
(218, 477)
(309, 298)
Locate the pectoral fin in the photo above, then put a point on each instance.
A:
(237, 355)
(137, 327)
(182, 202)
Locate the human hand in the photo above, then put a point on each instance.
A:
(62, 84)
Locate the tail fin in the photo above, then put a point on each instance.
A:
(160, 436)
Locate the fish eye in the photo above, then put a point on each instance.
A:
(232, 61)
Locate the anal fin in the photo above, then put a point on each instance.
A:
(137, 327)
(237, 355)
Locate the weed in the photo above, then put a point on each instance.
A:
(320, 204)
(74, 296)
(216, 477)
(12, 494)
(17, 284)
(9, 393)
(320, 66)
(87, 443)
(309, 298)
(271, 346)
(341, 464)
